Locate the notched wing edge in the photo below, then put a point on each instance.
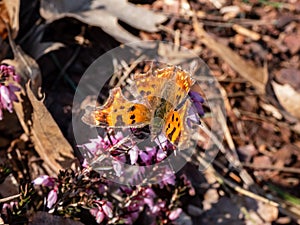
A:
(89, 116)
(92, 113)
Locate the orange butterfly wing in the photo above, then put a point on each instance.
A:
(117, 112)
(175, 128)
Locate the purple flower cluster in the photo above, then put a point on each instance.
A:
(197, 101)
(102, 210)
(111, 153)
(7, 90)
(116, 157)
(144, 199)
(139, 198)
(50, 182)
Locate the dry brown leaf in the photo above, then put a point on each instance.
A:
(268, 212)
(289, 76)
(9, 15)
(47, 137)
(4, 18)
(256, 75)
(293, 43)
(288, 98)
(104, 14)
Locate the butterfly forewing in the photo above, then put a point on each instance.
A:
(118, 112)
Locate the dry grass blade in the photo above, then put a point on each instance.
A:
(283, 206)
(256, 75)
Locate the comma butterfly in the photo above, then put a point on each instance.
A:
(161, 102)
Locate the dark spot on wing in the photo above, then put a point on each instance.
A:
(173, 118)
(132, 108)
(148, 92)
(115, 110)
(176, 119)
(171, 133)
(132, 117)
(122, 107)
(133, 121)
(142, 93)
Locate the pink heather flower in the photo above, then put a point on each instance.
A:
(7, 206)
(159, 206)
(117, 166)
(100, 217)
(52, 198)
(197, 101)
(97, 145)
(168, 177)
(107, 210)
(94, 146)
(85, 164)
(174, 214)
(145, 157)
(134, 154)
(7, 91)
(102, 210)
(150, 193)
(161, 155)
(151, 151)
(7, 71)
(98, 214)
(44, 180)
(114, 139)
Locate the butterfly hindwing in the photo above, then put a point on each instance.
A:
(176, 128)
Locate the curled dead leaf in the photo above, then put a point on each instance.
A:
(104, 14)
(45, 134)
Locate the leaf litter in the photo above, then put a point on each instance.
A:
(251, 48)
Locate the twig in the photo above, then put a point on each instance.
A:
(249, 193)
(2, 200)
(262, 167)
(282, 205)
(242, 94)
(130, 69)
(237, 188)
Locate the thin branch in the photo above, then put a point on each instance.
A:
(7, 199)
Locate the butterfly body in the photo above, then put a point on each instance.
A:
(159, 97)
